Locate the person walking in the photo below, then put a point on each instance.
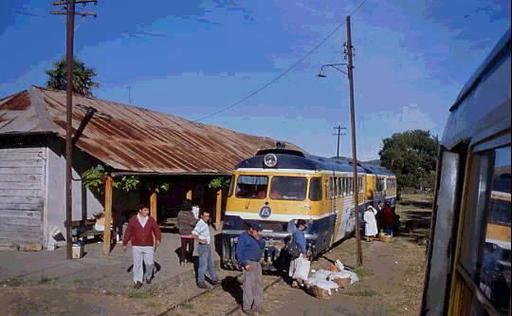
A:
(248, 254)
(370, 228)
(144, 234)
(201, 233)
(186, 223)
(298, 253)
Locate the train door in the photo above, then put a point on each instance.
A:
(443, 232)
(481, 273)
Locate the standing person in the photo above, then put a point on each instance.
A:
(201, 233)
(186, 223)
(388, 219)
(248, 254)
(145, 236)
(298, 251)
(380, 208)
(370, 229)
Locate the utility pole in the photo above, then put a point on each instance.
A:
(129, 94)
(69, 7)
(338, 133)
(348, 52)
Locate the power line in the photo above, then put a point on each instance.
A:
(285, 72)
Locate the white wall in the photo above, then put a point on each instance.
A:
(84, 202)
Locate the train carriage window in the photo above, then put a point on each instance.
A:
(252, 187)
(335, 186)
(288, 188)
(315, 189)
(340, 186)
(494, 274)
(486, 246)
(331, 187)
(350, 186)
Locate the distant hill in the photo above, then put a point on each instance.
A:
(373, 162)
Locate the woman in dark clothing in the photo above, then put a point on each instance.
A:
(388, 219)
(186, 223)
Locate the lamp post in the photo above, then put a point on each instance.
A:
(349, 74)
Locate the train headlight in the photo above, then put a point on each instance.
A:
(270, 160)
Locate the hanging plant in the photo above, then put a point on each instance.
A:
(94, 179)
(219, 183)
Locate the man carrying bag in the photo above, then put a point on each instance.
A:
(299, 265)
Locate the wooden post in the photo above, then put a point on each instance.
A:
(107, 232)
(153, 205)
(218, 209)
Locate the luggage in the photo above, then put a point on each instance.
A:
(342, 279)
(324, 289)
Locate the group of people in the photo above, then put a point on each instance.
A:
(144, 234)
(382, 218)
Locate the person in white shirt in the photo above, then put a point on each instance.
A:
(202, 235)
(370, 229)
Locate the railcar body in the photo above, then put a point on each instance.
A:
(468, 267)
(277, 187)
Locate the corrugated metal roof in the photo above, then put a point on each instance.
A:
(130, 138)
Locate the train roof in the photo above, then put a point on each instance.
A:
(374, 169)
(291, 159)
(482, 108)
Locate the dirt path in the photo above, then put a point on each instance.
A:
(391, 284)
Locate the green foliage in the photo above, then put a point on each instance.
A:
(82, 77)
(219, 183)
(158, 186)
(412, 156)
(93, 178)
(127, 184)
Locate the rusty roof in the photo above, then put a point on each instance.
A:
(130, 138)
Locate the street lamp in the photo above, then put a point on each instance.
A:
(321, 74)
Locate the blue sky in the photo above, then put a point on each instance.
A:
(191, 58)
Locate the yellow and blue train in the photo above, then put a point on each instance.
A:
(278, 186)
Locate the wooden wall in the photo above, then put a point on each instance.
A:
(22, 174)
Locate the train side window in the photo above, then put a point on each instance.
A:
(340, 186)
(486, 244)
(315, 189)
(331, 187)
(252, 187)
(494, 274)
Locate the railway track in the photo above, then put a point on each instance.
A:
(222, 299)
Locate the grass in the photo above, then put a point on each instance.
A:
(14, 282)
(363, 271)
(361, 293)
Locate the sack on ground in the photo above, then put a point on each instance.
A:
(302, 266)
(343, 278)
(324, 289)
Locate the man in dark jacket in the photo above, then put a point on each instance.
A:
(144, 234)
(248, 253)
(186, 223)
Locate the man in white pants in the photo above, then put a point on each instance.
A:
(144, 234)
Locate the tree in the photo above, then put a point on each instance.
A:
(82, 77)
(412, 156)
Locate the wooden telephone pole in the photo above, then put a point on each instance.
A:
(69, 11)
(350, 67)
(338, 133)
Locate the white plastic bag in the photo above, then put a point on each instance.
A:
(321, 274)
(353, 277)
(339, 265)
(302, 266)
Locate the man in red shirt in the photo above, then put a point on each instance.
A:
(144, 233)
